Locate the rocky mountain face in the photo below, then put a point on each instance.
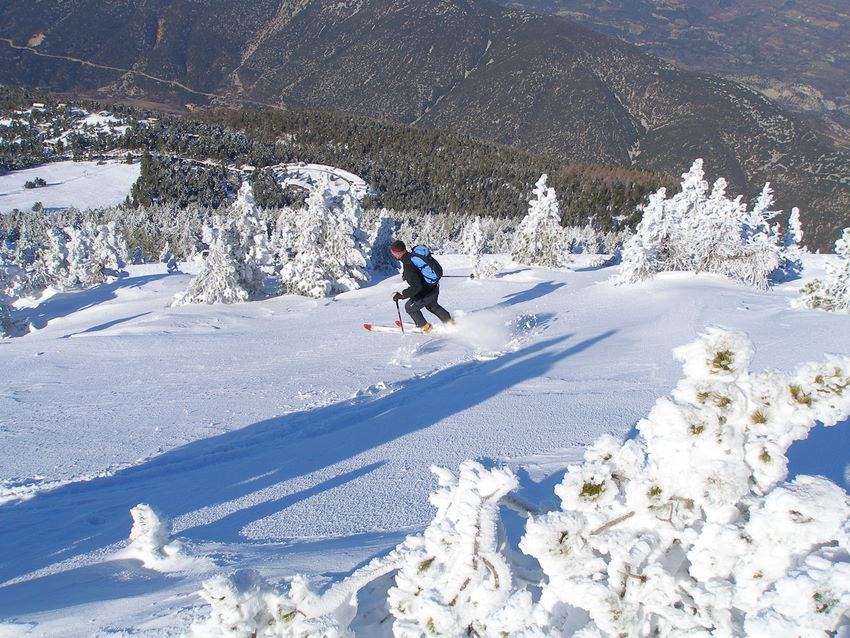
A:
(542, 83)
(793, 51)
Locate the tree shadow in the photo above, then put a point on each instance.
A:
(205, 479)
(540, 290)
(77, 586)
(67, 303)
(104, 326)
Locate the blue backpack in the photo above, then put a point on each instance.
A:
(429, 267)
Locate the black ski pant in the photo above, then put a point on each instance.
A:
(427, 300)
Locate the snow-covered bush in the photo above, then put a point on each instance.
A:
(457, 579)
(832, 292)
(150, 536)
(539, 239)
(244, 605)
(689, 529)
(329, 249)
(701, 231)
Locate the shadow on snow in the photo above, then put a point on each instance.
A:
(216, 472)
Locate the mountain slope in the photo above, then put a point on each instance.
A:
(542, 83)
(794, 52)
(280, 436)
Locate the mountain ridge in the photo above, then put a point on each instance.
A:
(540, 83)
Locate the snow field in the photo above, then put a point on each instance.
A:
(281, 436)
(83, 185)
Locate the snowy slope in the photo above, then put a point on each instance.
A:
(282, 436)
(79, 184)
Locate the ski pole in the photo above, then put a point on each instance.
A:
(400, 322)
(470, 276)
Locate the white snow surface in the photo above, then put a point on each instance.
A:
(280, 436)
(80, 184)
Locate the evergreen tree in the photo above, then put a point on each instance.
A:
(239, 261)
(791, 254)
(703, 232)
(329, 251)
(219, 279)
(539, 239)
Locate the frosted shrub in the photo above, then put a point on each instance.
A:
(689, 528)
(701, 231)
(832, 292)
(540, 240)
(457, 580)
(244, 605)
(150, 536)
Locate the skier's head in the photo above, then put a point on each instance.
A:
(398, 249)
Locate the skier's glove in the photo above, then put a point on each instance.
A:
(397, 296)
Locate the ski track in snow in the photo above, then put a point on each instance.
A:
(280, 435)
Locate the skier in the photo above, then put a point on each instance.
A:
(422, 274)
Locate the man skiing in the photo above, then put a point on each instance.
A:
(422, 273)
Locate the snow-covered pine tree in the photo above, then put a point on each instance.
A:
(539, 239)
(472, 241)
(791, 254)
(218, 280)
(239, 260)
(762, 242)
(12, 281)
(169, 259)
(382, 235)
(329, 252)
(644, 253)
(703, 232)
(832, 291)
(110, 249)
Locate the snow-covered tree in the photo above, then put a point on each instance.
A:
(832, 291)
(329, 250)
(240, 259)
(12, 281)
(110, 249)
(382, 235)
(539, 239)
(704, 231)
(169, 259)
(791, 255)
(472, 241)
